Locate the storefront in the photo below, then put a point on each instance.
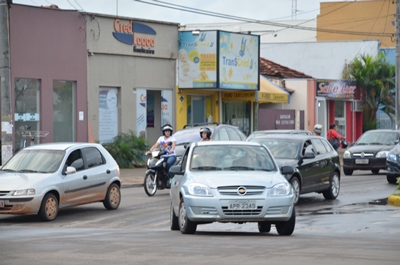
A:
(338, 102)
(89, 77)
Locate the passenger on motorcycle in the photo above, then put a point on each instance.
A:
(167, 143)
(205, 134)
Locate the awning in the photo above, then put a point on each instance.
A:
(269, 93)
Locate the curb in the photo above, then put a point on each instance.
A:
(394, 200)
(131, 185)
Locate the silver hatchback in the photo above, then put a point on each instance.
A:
(43, 178)
(231, 181)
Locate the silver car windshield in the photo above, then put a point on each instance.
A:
(35, 161)
(234, 157)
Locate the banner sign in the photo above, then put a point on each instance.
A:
(345, 89)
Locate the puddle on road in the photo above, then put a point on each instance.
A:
(363, 207)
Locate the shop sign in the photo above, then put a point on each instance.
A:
(339, 89)
(239, 96)
(141, 36)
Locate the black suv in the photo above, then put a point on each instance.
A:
(220, 132)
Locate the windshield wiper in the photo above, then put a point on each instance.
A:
(239, 168)
(8, 170)
(207, 168)
(375, 143)
(30, 171)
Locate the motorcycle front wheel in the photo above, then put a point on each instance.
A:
(150, 184)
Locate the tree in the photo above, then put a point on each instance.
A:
(375, 79)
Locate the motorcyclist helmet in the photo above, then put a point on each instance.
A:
(206, 130)
(318, 129)
(167, 127)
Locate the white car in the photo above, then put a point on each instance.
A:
(231, 181)
(43, 178)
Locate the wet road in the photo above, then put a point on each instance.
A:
(357, 228)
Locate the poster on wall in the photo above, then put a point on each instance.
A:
(238, 61)
(345, 89)
(166, 104)
(108, 114)
(141, 112)
(197, 59)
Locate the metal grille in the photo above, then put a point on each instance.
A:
(233, 190)
(242, 212)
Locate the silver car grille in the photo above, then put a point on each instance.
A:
(242, 212)
(235, 190)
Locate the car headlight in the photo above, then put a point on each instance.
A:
(198, 189)
(24, 192)
(346, 154)
(281, 189)
(391, 157)
(382, 154)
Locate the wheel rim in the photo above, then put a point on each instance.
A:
(182, 216)
(335, 187)
(296, 187)
(51, 208)
(151, 184)
(114, 196)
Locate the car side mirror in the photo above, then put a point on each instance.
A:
(287, 170)
(70, 170)
(176, 170)
(309, 155)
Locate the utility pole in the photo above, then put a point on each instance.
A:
(397, 23)
(5, 85)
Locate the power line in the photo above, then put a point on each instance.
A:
(269, 23)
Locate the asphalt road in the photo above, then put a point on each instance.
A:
(357, 228)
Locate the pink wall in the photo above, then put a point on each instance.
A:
(50, 44)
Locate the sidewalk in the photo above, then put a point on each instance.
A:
(132, 177)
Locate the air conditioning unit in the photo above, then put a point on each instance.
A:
(356, 106)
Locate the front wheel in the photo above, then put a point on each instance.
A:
(185, 225)
(49, 208)
(113, 197)
(287, 228)
(296, 188)
(173, 219)
(150, 184)
(391, 179)
(333, 191)
(347, 172)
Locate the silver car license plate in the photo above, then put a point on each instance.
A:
(242, 205)
(1, 204)
(362, 161)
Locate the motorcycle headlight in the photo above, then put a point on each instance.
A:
(281, 189)
(24, 192)
(198, 189)
(382, 154)
(346, 154)
(391, 157)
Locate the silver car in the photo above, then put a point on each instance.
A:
(231, 181)
(43, 178)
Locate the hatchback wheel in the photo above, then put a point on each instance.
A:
(375, 171)
(49, 208)
(113, 197)
(185, 225)
(296, 188)
(347, 172)
(286, 228)
(264, 227)
(391, 179)
(334, 189)
(173, 219)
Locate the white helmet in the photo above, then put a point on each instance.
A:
(318, 128)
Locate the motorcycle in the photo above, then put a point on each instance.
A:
(156, 173)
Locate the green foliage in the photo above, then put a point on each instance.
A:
(128, 150)
(375, 78)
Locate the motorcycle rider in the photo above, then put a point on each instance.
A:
(318, 130)
(166, 142)
(205, 134)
